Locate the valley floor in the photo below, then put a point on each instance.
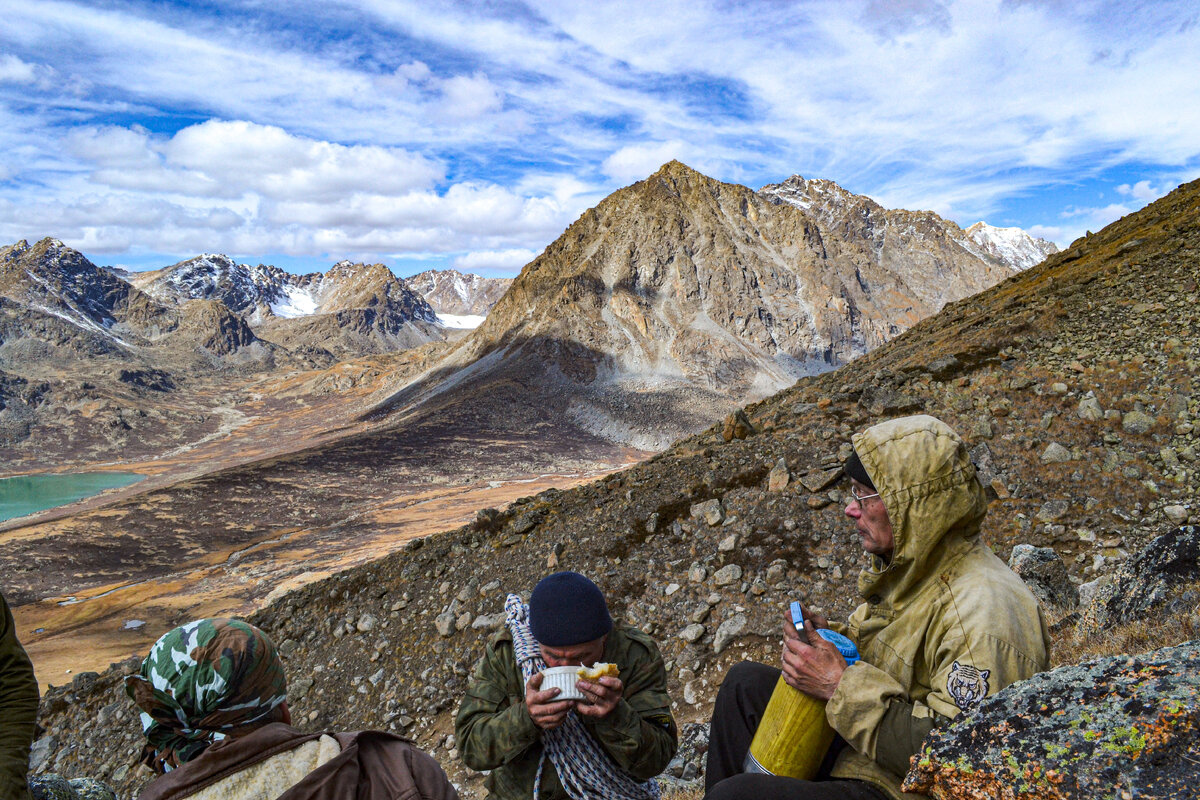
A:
(284, 482)
(86, 630)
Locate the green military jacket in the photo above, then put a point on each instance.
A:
(494, 731)
(18, 709)
(946, 622)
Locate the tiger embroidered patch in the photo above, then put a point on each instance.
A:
(967, 685)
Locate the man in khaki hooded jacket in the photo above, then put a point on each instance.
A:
(944, 625)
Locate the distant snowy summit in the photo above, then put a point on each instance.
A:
(835, 206)
(1011, 245)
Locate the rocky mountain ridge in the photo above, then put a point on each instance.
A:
(1074, 384)
(656, 312)
(834, 205)
(90, 355)
(351, 310)
(680, 297)
(87, 358)
(1013, 246)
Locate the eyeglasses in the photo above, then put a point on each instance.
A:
(858, 498)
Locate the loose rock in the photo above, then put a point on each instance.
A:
(728, 630)
(1055, 453)
(1045, 575)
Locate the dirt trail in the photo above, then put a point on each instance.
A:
(90, 633)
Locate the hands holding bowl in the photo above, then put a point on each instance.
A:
(592, 692)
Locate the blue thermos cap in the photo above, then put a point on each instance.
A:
(846, 647)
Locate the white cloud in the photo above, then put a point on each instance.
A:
(634, 162)
(1080, 220)
(14, 70)
(1051, 233)
(468, 97)
(1142, 190)
(268, 160)
(479, 211)
(230, 159)
(460, 127)
(482, 261)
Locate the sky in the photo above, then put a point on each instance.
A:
(468, 134)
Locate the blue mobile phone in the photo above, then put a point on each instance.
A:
(797, 615)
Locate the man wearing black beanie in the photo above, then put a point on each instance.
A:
(504, 721)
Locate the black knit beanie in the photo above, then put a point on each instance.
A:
(566, 609)
(855, 469)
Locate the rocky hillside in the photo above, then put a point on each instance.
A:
(103, 365)
(1073, 382)
(453, 293)
(681, 296)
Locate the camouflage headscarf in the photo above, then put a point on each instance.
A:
(202, 681)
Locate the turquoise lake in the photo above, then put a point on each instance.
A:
(27, 494)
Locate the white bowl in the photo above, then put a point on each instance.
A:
(563, 678)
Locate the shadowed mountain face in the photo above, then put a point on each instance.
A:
(680, 296)
(51, 279)
(1074, 385)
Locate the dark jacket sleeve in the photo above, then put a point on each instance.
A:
(18, 709)
(901, 734)
(489, 729)
(640, 733)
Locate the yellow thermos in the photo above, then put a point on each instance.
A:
(793, 735)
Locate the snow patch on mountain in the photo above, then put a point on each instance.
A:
(296, 301)
(460, 321)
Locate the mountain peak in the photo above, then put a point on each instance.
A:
(694, 295)
(1012, 245)
(676, 173)
(676, 168)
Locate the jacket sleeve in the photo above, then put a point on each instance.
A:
(640, 733)
(492, 727)
(18, 709)
(872, 711)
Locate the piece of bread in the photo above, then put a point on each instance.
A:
(598, 670)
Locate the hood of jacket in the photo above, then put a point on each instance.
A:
(933, 499)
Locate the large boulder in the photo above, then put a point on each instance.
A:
(1155, 578)
(1120, 727)
(1045, 574)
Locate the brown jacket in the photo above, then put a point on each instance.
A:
(372, 765)
(18, 709)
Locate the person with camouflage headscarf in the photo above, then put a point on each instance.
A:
(213, 696)
(203, 681)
